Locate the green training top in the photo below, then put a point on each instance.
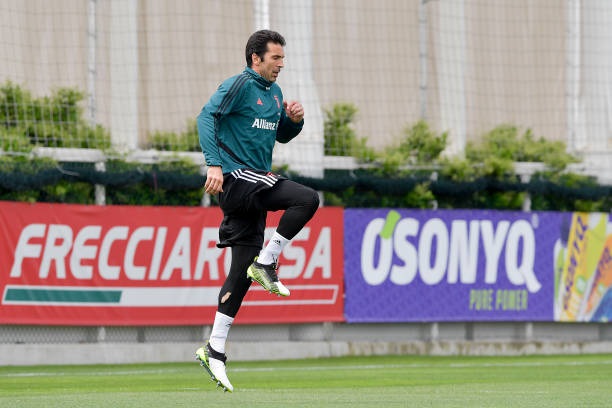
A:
(241, 122)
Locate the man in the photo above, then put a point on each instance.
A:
(238, 128)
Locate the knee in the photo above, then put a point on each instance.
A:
(314, 201)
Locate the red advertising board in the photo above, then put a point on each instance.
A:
(66, 264)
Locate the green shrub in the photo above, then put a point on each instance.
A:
(16, 105)
(421, 145)
(507, 145)
(340, 136)
(411, 174)
(186, 141)
(50, 121)
(483, 178)
(13, 139)
(68, 191)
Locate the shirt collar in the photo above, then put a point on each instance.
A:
(261, 80)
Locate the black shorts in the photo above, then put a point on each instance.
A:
(244, 221)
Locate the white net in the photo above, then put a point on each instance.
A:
(133, 75)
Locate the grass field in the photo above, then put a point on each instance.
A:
(390, 381)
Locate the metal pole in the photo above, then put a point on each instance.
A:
(91, 63)
(572, 85)
(450, 66)
(92, 36)
(296, 22)
(124, 74)
(262, 14)
(423, 58)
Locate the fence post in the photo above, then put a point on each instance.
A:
(527, 200)
(100, 189)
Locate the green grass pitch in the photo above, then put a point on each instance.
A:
(381, 382)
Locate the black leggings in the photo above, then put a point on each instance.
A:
(300, 203)
(237, 282)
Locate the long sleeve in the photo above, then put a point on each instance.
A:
(287, 129)
(206, 129)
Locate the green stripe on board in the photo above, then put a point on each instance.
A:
(62, 295)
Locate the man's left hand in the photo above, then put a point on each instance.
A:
(294, 111)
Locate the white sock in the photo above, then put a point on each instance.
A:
(219, 332)
(269, 255)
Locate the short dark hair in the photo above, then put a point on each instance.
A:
(258, 44)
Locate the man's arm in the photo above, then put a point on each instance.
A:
(206, 129)
(219, 104)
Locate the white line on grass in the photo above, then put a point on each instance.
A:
(415, 365)
(314, 368)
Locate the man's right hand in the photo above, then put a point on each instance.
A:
(214, 180)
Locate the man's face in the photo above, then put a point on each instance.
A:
(272, 62)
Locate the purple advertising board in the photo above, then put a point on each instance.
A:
(442, 265)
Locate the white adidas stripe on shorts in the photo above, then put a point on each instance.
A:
(254, 177)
